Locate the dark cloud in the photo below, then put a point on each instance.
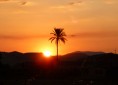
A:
(76, 35)
(18, 37)
(94, 34)
(75, 3)
(23, 3)
(4, 0)
(20, 2)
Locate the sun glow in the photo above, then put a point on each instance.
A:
(47, 53)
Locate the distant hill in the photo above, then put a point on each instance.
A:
(91, 53)
(15, 57)
(75, 56)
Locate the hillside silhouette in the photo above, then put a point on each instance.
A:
(15, 57)
(80, 68)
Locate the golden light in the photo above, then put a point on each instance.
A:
(47, 54)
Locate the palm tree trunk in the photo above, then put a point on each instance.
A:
(57, 51)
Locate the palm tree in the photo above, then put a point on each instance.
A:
(58, 35)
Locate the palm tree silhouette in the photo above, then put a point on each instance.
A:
(58, 35)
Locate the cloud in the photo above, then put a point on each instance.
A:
(20, 2)
(94, 34)
(104, 34)
(68, 5)
(18, 37)
(75, 3)
(23, 3)
(26, 3)
(4, 0)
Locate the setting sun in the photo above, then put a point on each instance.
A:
(47, 53)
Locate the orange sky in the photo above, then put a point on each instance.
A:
(25, 25)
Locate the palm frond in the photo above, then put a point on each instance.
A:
(53, 33)
(63, 39)
(63, 34)
(52, 38)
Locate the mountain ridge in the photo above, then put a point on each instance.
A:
(16, 57)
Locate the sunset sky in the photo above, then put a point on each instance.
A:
(90, 25)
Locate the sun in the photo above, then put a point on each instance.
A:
(47, 54)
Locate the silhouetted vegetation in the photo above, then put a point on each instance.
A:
(78, 68)
(58, 35)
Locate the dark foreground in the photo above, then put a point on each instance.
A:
(93, 70)
(58, 82)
